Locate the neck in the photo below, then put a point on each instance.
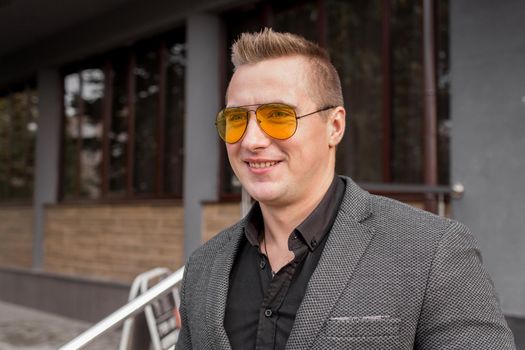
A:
(280, 221)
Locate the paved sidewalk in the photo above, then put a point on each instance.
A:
(22, 328)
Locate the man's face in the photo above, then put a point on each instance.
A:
(280, 172)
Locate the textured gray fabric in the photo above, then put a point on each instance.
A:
(390, 277)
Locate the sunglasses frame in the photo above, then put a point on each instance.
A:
(221, 112)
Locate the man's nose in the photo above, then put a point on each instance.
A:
(254, 137)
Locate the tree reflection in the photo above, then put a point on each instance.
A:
(18, 126)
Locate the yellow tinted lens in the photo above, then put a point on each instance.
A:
(231, 124)
(277, 120)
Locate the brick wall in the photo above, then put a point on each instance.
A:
(113, 242)
(218, 216)
(16, 236)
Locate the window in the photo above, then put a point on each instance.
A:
(124, 121)
(354, 41)
(376, 46)
(84, 92)
(18, 126)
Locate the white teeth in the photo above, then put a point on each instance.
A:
(261, 164)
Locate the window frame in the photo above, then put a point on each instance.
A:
(106, 60)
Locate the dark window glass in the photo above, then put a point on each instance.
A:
(443, 86)
(92, 92)
(299, 17)
(354, 42)
(174, 147)
(407, 92)
(146, 73)
(119, 133)
(123, 124)
(71, 139)
(18, 126)
(82, 152)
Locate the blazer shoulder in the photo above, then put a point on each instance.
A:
(408, 220)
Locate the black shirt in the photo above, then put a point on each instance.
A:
(261, 308)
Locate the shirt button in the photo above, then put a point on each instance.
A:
(313, 242)
(262, 264)
(268, 313)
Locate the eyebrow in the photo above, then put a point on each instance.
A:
(262, 104)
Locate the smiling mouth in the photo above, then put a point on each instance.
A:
(261, 165)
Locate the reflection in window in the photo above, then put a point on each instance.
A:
(407, 92)
(82, 155)
(71, 129)
(123, 132)
(91, 132)
(146, 109)
(298, 18)
(118, 134)
(354, 42)
(18, 126)
(174, 151)
(443, 90)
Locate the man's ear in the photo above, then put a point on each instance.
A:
(336, 126)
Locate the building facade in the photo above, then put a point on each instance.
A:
(110, 162)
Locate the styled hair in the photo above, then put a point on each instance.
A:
(252, 48)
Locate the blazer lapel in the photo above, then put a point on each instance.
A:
(346, 243)
(218, 290)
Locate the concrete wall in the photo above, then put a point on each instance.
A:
(112, 242)
(488, 135)
(16, 236)
(77, 298)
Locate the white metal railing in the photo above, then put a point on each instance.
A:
(130, 309)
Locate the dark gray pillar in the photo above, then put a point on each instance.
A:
(47, 152)
(488, 136)
(203, 100)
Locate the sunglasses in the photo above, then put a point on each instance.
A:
(277, 120)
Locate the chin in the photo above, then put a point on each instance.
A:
(263, 195)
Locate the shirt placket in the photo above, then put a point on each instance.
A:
(275, 290)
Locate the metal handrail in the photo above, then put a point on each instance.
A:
(130, 309)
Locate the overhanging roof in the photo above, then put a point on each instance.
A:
(25, 22)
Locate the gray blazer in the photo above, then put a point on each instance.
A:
(390, 277)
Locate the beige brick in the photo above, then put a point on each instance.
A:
(112, 242)
(218, 216)
(16, 236)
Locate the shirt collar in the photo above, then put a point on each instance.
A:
(314, 228)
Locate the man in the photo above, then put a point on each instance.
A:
(319, 263)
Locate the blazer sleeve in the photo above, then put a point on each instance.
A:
(184, 339)
(460, 308)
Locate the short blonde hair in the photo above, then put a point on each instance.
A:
(252, 48)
